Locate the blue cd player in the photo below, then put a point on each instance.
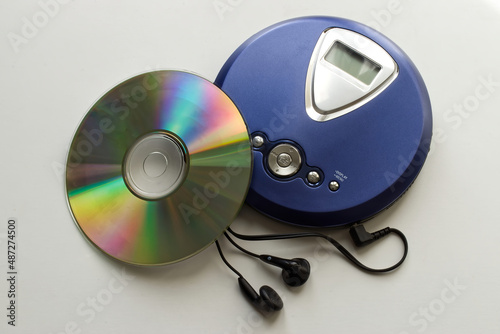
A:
(340, 119)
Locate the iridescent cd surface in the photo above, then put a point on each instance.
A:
(159, 168)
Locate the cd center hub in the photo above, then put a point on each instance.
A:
(155, 165)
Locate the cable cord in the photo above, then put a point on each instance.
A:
(239, 247)
(225, 261)
(360, 236)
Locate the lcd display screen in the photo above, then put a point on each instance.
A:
(353, 63)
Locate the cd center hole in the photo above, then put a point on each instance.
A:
(155, 164)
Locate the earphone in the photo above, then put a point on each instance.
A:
(297, 270)
(267, 301)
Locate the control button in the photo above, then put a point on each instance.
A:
(313, 177)
(334, 186)
(257, 141)
(284, 160)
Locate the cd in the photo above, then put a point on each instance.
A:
(158, 168)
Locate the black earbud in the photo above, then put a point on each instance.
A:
(295, 271)
(267, 301)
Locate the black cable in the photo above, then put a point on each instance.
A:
(225, 261)
(345, 252)
(239, 247)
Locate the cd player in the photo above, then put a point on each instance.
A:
(339, 117)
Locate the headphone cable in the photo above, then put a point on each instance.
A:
(360, 237)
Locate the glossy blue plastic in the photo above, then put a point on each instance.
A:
(374, 153)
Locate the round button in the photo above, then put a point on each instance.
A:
(313, 177)
(284, 160)
(257, 141)
(334, 186)
(155, 164)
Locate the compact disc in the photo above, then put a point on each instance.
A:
(158, 168)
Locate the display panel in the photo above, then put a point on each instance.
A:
(352, 62)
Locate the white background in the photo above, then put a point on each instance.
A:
(450, 216)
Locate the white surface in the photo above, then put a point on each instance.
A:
(450, 215)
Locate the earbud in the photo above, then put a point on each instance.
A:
(268, 301)
(295, 271)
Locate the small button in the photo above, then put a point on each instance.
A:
(284, 160)
(313, 177)
(334, 186)
(257, 141)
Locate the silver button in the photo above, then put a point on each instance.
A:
(334, 186)
(284, 160)
(257, 141)
(313, 177)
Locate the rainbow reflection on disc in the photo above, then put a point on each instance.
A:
(158, 168)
